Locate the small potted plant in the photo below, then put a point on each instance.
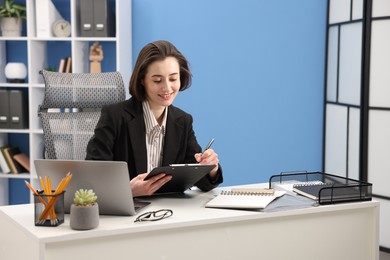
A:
(11, 18)
(84, 212)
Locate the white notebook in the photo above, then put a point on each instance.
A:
(244, 199)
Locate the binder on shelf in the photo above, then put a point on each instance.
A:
(4, 108)
(86, 18)
(65, 65)
(68, 68)
(96, 19)
(46, 14)
(23, 160)
(13, 165)
(17, 110)
(61, 67)
(3, 162)
(103, 19)
(325, 188)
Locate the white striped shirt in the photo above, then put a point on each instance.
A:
(154, 136)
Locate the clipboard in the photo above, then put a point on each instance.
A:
(184, 176)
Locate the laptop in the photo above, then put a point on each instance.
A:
(109, 180)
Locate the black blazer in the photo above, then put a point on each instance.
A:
(120, 136)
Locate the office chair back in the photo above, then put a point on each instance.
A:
(71, 109)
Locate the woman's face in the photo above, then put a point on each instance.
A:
(162, 82)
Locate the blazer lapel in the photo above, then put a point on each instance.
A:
(173, 136)
(137, 136)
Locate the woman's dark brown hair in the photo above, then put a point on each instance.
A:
(158, 50)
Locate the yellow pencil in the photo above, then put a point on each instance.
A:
(60, 188)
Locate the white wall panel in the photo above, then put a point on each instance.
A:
(379, 151)
(357, 9)
(339, 11)
(380, 8)
(336, 139)
(332, 64)
(380, 64)
(384, 216)
(350, 63)
(354, 143)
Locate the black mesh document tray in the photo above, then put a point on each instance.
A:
(325, 188)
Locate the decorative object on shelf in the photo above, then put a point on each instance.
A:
(11, 21)
(84, 212)
(61, 28)
(96, 56)
(15, 72)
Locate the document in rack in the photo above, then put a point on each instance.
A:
(327, 191)
(243, 200)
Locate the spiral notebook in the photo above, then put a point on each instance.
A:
(244, 198)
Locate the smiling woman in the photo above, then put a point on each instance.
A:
(147, 131)
(162, 83)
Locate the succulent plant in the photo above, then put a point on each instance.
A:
(84, 197)
(10, 9)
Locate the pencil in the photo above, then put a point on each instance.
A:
(60, 188)
(35, 192)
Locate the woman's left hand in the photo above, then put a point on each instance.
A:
(208, 157)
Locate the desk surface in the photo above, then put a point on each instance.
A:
(189, 214)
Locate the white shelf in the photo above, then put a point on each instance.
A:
(15, 176)
(15, 131)
(39, 57)
(14, 85)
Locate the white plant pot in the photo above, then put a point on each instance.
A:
(84, 217)
(11, 26)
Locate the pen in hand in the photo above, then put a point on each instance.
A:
(199, 156)
(209, 145)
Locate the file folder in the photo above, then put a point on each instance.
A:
(96, 19)
(17, 110)
(103, 19)
(46, 15)
(4, 109)
(86, 11)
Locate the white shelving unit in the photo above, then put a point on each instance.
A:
(116, 48)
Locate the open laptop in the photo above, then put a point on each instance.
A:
(109, 180)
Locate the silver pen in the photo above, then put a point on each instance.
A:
(209, 144)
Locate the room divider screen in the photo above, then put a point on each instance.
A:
(357, 97)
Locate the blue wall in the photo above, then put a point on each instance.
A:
(258, 78)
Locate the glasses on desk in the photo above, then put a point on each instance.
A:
(154, 215)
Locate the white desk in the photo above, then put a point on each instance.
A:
(342, 231)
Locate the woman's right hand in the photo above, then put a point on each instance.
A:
(141, 187)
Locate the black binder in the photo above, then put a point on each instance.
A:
(103, 19)
(96, 19)
(4, 109)
(86, 18)
(17, 110)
